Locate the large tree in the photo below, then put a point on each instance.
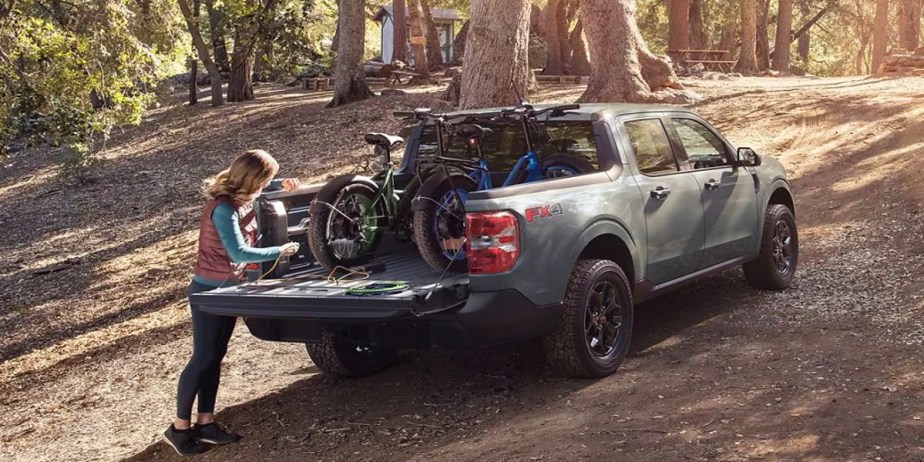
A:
(628, 72)
(781, 48)
(880, 34)
(399, 10)
(699, 38)
(217, 29)
(580, 64)
(434, 47)
(805, 39)
(247, 32)
(496, 67)
(192, 23)
(350, 79)
(678, 35)
(556, 37)
(909, 25)
(747, 59)
(419, 41)
(763, 35)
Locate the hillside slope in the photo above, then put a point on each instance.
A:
(829, 370)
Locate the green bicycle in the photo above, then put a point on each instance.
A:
(351, 212)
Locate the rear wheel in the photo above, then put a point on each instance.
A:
(345, 358)
(593, 336)
(562, 165)
(345, 231)
(439, 227)
(775, 267)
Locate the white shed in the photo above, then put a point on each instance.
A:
(444, 19)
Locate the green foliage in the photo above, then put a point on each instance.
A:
(73, 71)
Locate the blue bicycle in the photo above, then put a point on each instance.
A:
(439, 208)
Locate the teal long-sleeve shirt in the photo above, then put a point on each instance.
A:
(227, 223)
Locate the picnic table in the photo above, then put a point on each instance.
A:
(710, 59)
(397, 74)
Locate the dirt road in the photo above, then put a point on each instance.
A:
(829, 370)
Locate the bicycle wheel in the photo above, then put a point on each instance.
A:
(345, 231)
(439, 227)
(562, 165)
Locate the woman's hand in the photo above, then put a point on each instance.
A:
(290, 184)
(288, 249)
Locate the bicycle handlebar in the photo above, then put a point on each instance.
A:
(526, 111)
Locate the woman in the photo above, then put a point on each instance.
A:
(227, 241)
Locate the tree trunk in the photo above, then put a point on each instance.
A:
(399, 8)
(554, 64)
(781, 47)
(629, 72)
(202, 50)
(580, 64)
(909, 23)
(217, 32)
(763, 35)
(496, 69)
(880, 34)
(729, 39)
(747, 59)
(805, 39)
(536, 23)
(698, 37)
(434, 48)
(240, 84)
(262, 61)
(678, 18)
(350, 79)
(458, 44)
(193, 78)
(418, 42)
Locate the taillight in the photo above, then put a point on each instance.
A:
(493, 240)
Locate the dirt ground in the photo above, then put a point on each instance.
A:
(96, 330)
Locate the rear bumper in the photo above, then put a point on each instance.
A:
(485, 318)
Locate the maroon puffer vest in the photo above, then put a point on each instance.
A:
(213, 262)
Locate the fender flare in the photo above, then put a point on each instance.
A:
(608, 226)
(429, 187)
(333, 187)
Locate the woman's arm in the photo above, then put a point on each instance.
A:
(229, 230)
(283, 184)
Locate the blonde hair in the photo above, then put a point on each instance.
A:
(246, 176)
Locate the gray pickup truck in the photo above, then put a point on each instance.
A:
(564, 259)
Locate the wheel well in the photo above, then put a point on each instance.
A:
(610, 247)
(782, 196)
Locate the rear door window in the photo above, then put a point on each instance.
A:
(652, 147)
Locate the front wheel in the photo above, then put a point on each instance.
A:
(439, 225)
(593, 336)
(345, 229)
(345, 358)
(775, 266)
(562, 165)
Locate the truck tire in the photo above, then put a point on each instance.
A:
(775, 266)
(318, 228)
(433, 225)
(344, 358)
(593, 336)
(560, 165)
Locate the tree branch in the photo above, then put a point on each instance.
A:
(805, 27)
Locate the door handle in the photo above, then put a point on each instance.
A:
(660, 193)
(712, 185)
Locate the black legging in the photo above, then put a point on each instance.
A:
(210, 343)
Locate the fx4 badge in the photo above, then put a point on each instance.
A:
(535, 214)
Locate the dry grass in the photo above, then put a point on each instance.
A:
(90, 353)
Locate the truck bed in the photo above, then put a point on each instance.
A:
(309, 294)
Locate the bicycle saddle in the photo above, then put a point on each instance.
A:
(383, 140)
(472, 131)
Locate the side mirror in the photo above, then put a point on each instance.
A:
(747, 157)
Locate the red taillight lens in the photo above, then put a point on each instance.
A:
(493, 241)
